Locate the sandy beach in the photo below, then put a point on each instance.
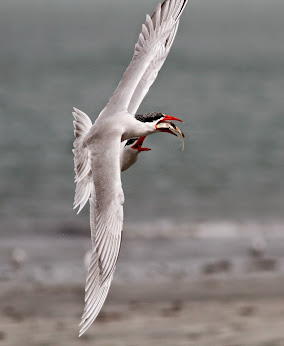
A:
(166, 292)
(49, 316)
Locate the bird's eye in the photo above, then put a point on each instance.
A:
(130, 141)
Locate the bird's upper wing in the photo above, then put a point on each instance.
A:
(155, 32)
(106, 225)
(151, 73)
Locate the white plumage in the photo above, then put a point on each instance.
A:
(97, 150)
(82, 162)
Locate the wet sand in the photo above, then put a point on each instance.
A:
(44, 316)
(199, 292)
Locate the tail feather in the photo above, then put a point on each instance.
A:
(82, 166)
(83, 192)
(82, 123)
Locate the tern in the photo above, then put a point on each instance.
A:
(129, 150)
(97, 149)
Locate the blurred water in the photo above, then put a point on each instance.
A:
(224, 77)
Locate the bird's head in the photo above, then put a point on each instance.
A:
(136, 144)
(129, 152)
(157, 121)
(160, 122)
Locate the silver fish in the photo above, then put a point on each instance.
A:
(171, 128)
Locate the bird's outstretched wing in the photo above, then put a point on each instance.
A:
(106, 225)
(151, 73)
(155, 33)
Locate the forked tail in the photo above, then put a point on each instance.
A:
(82, 166)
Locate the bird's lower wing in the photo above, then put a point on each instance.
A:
(106, 220)
(96, 294)
(154, 34)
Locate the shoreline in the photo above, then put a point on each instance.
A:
(193, 291)
(40, 315)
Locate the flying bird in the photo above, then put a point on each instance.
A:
(97, 150)
(129, 150)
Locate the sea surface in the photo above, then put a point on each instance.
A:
(224, 77)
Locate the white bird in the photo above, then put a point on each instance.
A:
(99, 146)
(129, 150)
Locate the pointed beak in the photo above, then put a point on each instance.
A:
(160, 126)
(169, 118)
(138, 145)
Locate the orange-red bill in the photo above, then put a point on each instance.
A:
(166, 130)
(138, 145)
(169, 117)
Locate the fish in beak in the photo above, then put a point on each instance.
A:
(169, 127)
(138, 145)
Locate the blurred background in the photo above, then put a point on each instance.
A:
(202, 255)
